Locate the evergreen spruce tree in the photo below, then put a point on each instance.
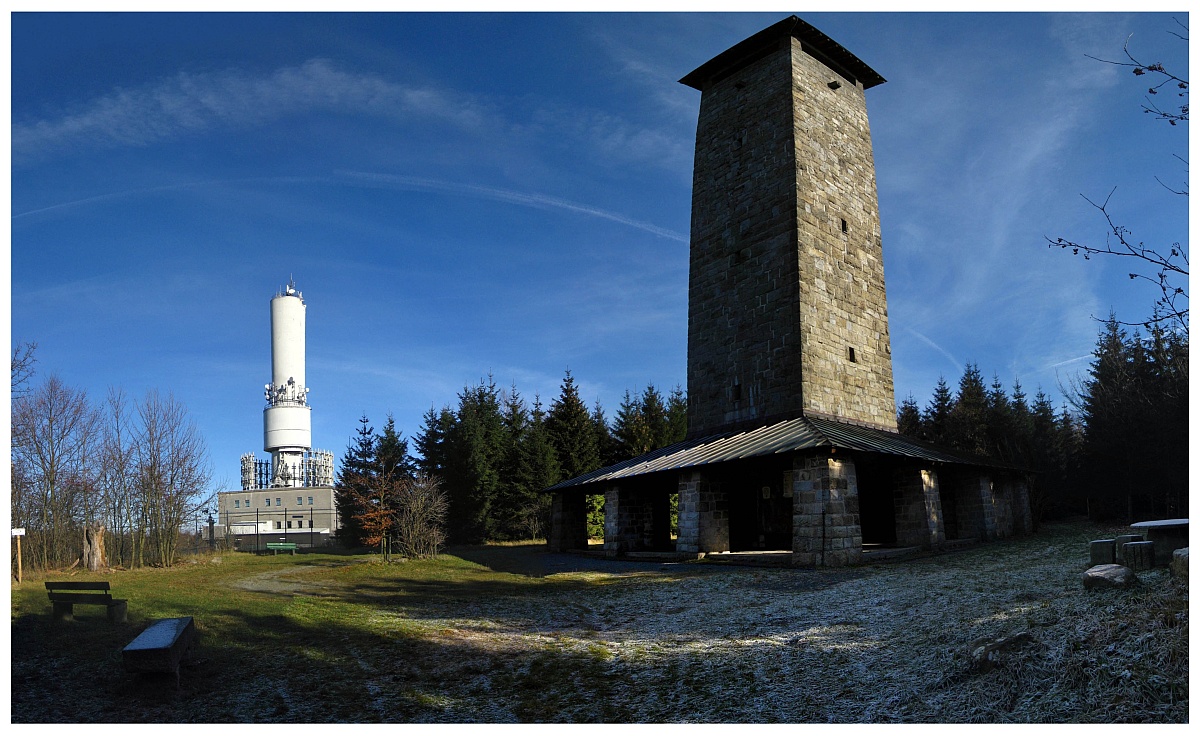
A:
(654, 412)
(1162, 397)
(572, 431)
(967, 423)
(573, 435)
(392, 452)
(1022, 427)
(516, 493)
(606, 445)
(1134, 454)
(358, 469)
(677, 415)
(999, 428)
(1048, 491)
(430, 441)
(1109, 415)
(630, 433)
(475, 446)
(908, 418)
(935, 424)
(542, 461)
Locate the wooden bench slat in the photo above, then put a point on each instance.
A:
(77, 586)
(101, 599)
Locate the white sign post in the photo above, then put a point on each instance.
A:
(17, 534)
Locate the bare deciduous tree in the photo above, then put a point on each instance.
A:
(23, 359)
(172, 468)
(117, 477)
(1168, 265)
(53, 427)
(421, 518)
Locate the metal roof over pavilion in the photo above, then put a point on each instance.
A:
(791, 435)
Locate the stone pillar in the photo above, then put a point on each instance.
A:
(703, 514)
(1022, 511)
(1002, 492)
(568, 522)
(825, 521)
(918, 509)
(616, 538)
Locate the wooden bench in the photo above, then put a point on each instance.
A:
(66, 595)
(161, 647)
(278, 547)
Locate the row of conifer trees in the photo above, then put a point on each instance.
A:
(493, 455)
(1116, 449)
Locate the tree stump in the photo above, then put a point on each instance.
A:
(93, 547)
(1139, 555)
(1123, 540)
(1102, 551)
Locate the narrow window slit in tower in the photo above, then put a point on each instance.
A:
(845, 226)
(737, 391)
(853, 357)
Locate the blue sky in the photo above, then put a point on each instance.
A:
(509, 193)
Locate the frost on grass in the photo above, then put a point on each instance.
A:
(487, 640)
(889, 643)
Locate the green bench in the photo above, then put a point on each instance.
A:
(277, 547)
(66, 595)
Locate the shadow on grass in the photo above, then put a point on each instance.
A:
(287, 667)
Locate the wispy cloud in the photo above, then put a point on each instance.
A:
(189, 102)
(527, 199)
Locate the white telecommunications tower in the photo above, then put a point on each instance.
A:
(287, 418)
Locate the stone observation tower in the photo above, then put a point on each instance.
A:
(787, 312)
(792, 444)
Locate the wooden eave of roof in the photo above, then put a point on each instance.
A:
(814, 42)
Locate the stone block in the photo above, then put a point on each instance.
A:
(1138, 555)
(1123, 540)
(1103, 551)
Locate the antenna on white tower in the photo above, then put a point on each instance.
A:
(287, 417)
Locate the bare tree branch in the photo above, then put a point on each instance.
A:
(1166, 81)
(1172, 305)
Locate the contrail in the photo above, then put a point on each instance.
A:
(508, 195)
(396, 181)
(164, 188)
(935, 346)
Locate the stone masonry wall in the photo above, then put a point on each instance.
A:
(743, 325)
(843, 303)
(825, 522)
(703, 514)
(786, 273)
(635, 520)
(976, 506)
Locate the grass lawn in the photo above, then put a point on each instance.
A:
(515, 634)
